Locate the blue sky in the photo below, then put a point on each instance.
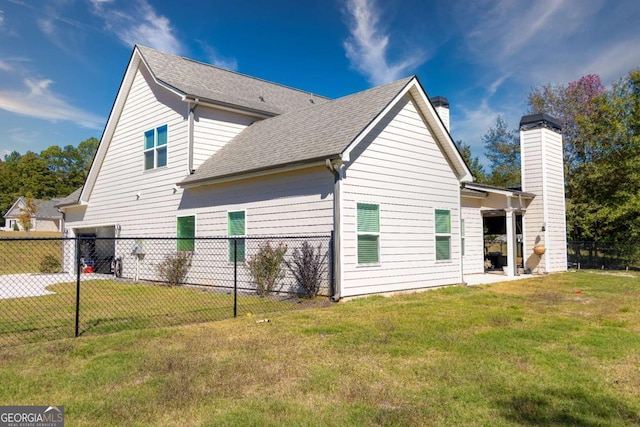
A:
(61, 61)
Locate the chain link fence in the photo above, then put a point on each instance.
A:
(56, 288)
(606, 256)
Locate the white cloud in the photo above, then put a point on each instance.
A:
(38, 101)
(4, 66)
(368, 45)
(215, 58)
(139, 25)
(1, 19)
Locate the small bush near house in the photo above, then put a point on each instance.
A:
(174, 268)
(15, 227)
(50, 264)
(308, 267)
(267, 267)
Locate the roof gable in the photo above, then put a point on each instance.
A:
(321, 132)
(192, 80)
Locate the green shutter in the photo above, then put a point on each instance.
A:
(443, 221)
(162, 135)
(148, 139)
(186, 231)
(236, 224)
(443, 247)
(240, 248)
(236, 227)
(368, 249)
(368, 218)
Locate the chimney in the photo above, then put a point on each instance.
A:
(544, 223)
(441, 105)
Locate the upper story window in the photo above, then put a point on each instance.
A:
(155, 148)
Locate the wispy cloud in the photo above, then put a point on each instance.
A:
(139, 24)
(215, 58)
(368, 45)
(1, 19)
(552, 40)
(39, 101)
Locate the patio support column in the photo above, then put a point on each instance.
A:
(511, 242)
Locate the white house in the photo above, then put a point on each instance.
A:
(46, 218)
(191, 144)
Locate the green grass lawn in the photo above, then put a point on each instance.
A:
(110, 306)
(25, 256)
(559, 350)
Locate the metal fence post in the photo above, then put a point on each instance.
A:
(332, 272)
(235, 277)
(77, 239)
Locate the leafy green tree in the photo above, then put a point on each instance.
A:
(477, 169)
(27, 212)
(502, 149)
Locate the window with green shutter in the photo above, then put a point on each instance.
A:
(155, 148)
(236, 227)
(186, 233)
(443, 234)
(368, 228)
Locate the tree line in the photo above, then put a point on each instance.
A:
(601, 138)
(54, 172)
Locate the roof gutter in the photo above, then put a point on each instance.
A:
(228, 107)
(336, 167)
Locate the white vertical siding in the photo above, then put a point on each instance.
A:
(473, 260)
(401, 168)
(543, 175)
(212, 129)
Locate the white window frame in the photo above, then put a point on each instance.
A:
(440, 234)
(244, 211)
(195, 230)
(368, 233)
(154, 150)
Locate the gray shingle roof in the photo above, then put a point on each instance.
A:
(223, 87)
(45, 209)
(71, 199)
(315, 133)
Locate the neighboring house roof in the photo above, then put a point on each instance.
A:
(45, 209)
(71, 199)
(315, 133)
(227, 88)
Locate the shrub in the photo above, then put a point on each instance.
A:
(174, 268)
(267, 267)
(50, 264)
(308, 267)
(16, 227)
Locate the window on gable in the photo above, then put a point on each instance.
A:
(186, 233)
(155, 148)
(443, 234)
(368, 233)
(236, 227)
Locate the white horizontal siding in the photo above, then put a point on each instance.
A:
(212, 129)
(473, 260)
(114, 199)
(402, 169)
(543, 175)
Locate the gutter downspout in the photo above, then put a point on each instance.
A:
(335, 167)
(191, 106)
